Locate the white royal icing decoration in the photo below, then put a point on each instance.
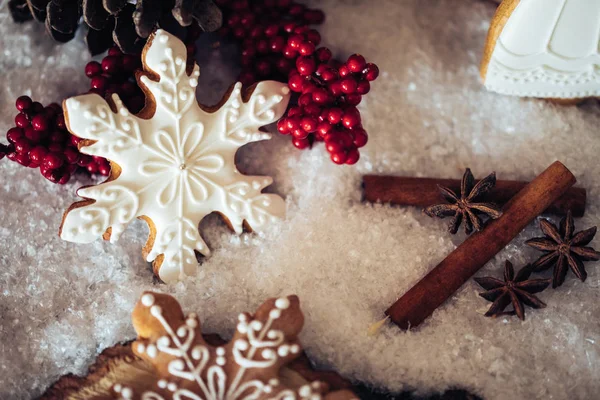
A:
(193, 362)
(548, 48)
(176, 167)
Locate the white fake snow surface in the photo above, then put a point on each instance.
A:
(427, 115)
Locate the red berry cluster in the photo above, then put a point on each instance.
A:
(326, 109)
(40, 139)
(115, 74)
(278, 44)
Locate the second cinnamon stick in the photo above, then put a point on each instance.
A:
(448, 276)
(423, 192)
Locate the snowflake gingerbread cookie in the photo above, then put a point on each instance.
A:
(544, 48)
(173, 163)
(248, 367)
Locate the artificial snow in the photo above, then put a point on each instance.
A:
(427, 115)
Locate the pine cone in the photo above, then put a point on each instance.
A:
(128, 25)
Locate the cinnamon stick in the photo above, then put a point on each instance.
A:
(448, 276)
(423, 192)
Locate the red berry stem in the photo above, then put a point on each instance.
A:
(277, 43)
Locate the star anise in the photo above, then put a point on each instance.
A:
(465, 207)
(564, 248)
(517, 290)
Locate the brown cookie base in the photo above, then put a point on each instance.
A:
(120, 364)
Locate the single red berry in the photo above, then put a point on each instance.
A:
(71, 154)
(282, 126)
(36, 107)
(295, 110)
(314, 16)
(363, 87)
(301, 143)
(348, 85)
(21, 120)
(93, 69)
(351, 118)
(343, 71)
(277, 44)
(40, 123)
(309, 124)
(313, 37)
(306, 49)
(346, 139)
(37, 154)
(305, 65)
(262, 46)
(356, 63)
(99, 82)
(56, 147)
(321, 96)
(292, 123)
(371, 72)
(59, 136)
(323, 54)
(52, 110)
(289, 27)
(84, 160)
(352, 156)
(11, 154)
(114, 51)
(14, 134)
(111, 64)
(312, 109)
(296, 9)
(272, 30)
(333, 147)
(53, 160)
(23, 103)
(305, 99)
(104, 168)
(338, 157)
(360, 137)
(335, 88)
(335, 115)
(92, 168)
(309, 86)
(289, 52)
(300, 133)
(353, 99)
(324, 128)
(295, 41)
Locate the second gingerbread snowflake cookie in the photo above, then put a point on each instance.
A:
(173, 163)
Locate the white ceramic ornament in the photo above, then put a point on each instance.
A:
(544, 48)
(177, 166)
